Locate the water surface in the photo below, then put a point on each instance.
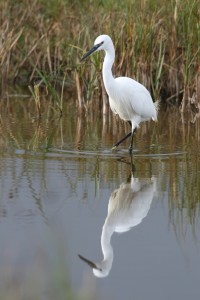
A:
(62, 190)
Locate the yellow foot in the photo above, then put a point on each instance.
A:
(114, 148)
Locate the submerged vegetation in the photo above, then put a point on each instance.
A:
(174, 158)
(157, 42)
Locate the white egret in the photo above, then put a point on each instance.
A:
(127, 97)
(128, 206)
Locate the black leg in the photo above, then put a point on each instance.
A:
(123, 139)
(133, 169)
(119, 142)
(131, 144)
(132, 166)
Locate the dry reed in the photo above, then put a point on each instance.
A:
(157, 42)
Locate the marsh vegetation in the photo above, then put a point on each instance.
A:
(157, 43)
(57, 173)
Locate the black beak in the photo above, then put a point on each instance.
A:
(89, 262)
(91, 51)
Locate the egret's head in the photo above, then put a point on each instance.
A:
(102, 42)
(101, 272)
(98, 270)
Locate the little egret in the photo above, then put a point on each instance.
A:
(128, 206)
(127, 97)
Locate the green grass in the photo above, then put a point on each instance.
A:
(157, 42)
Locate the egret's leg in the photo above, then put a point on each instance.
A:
(123, 139)
(132, 166)
(131, 145)
(119, 142)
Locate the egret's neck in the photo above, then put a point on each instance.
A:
(105, 265)
(106, 246)
(107, 67)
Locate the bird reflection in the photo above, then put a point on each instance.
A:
(128, 206)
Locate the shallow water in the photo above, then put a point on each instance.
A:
(63, 192)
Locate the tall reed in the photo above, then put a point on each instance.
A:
(157, 42)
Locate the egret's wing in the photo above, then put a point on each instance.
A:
(136, 98)
(142, 104)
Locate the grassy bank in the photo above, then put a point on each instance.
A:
(157, 42)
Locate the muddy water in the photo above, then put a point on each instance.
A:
(63, 192)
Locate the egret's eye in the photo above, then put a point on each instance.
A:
(98, 45)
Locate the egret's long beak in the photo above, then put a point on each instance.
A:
(91, 51)
(89, 262)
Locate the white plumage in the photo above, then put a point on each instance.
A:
(127, 97)
(128, 206)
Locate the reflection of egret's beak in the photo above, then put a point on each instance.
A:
(89, 262)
